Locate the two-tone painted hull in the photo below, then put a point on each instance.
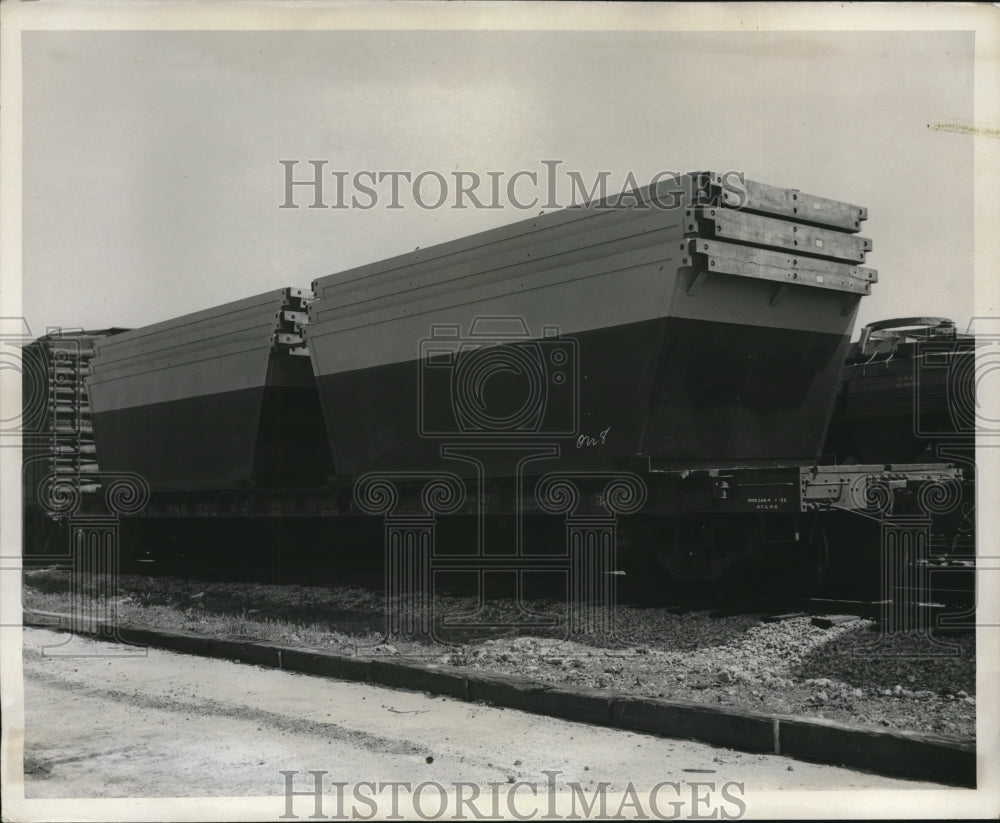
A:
(668, 334)
(212, 400)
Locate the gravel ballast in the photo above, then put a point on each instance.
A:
(846, 672)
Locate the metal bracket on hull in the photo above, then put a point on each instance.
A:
(291, 320)
(696, 281)
(849, 305)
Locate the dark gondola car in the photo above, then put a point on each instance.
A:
(907, 394)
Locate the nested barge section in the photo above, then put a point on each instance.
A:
(219, 399)
(695, 323)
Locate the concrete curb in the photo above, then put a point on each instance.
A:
(914, 755)
(897, 753)
(734, 728)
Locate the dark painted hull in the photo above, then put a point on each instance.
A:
(675, 390)
(267, 437)
(201, 442)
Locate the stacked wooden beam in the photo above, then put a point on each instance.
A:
(755, 230)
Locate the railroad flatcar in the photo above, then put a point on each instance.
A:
(669, 367)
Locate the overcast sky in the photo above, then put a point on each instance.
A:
(152, 181)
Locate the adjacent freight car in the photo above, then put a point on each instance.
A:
(908, 393)
(59, 451)
(673, 357)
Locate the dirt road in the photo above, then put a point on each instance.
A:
(165, 724)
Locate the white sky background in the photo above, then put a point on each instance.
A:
(151, 178)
